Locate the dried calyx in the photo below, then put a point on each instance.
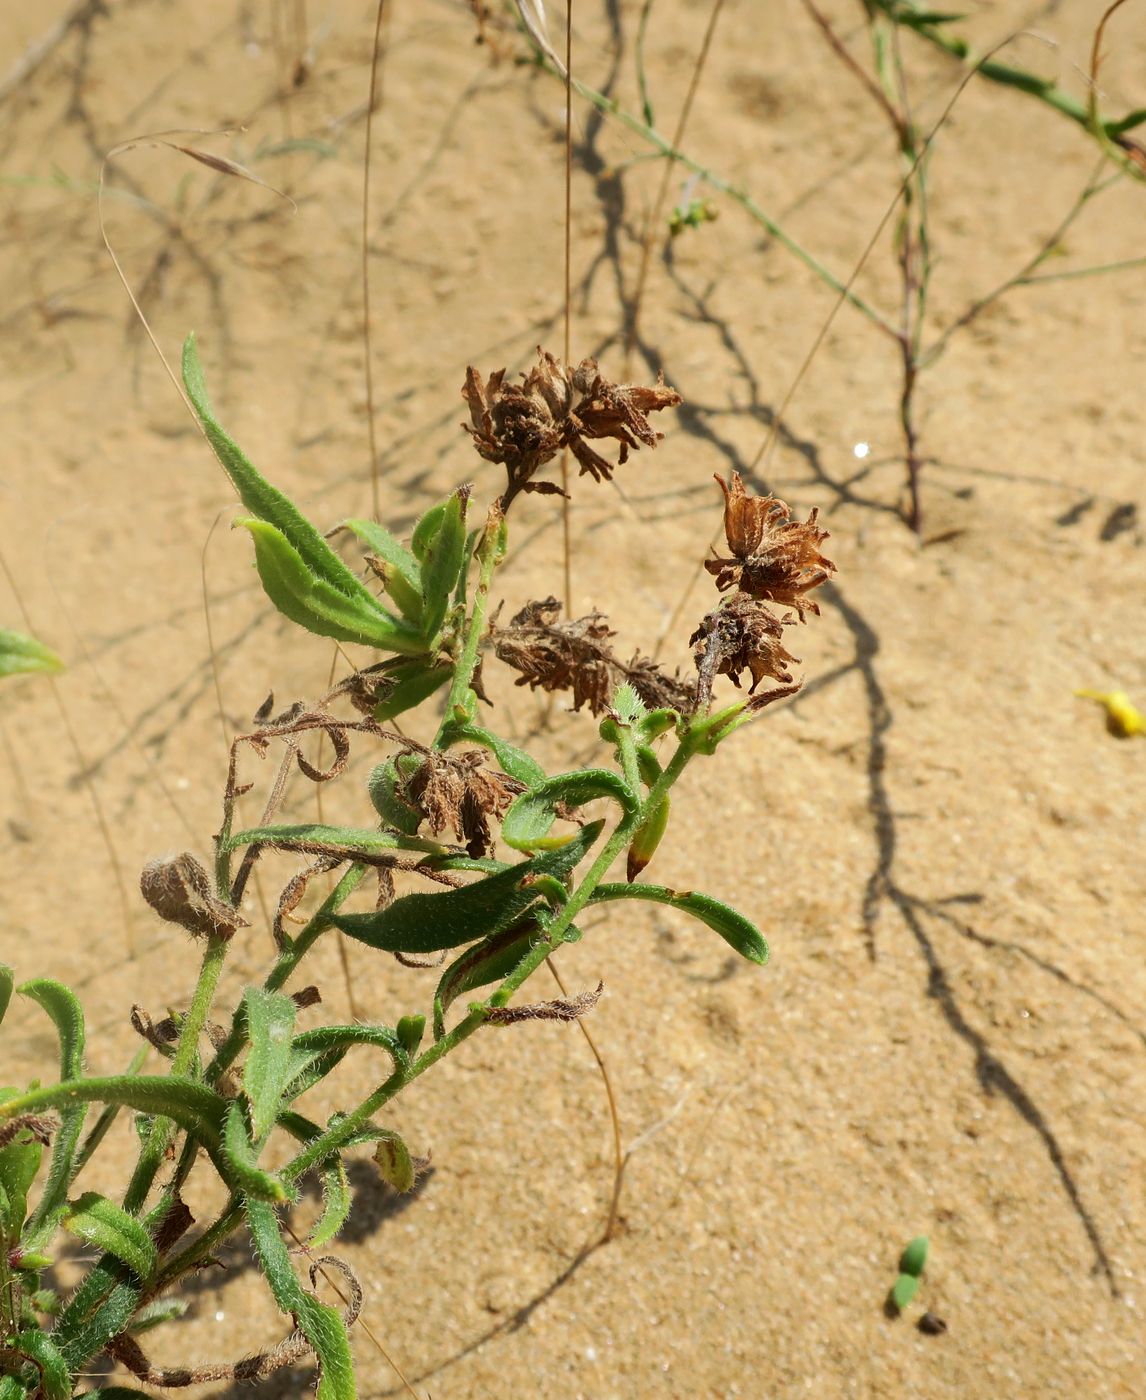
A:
(775, 559)
(525, 425)
(575, 655)
(459, 792)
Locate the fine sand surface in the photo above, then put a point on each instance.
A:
(943, 845)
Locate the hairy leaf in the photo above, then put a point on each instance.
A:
(414, 681)
(99, 1221)
(332, 840)
(491, 960)
(402, 574)
(733, 927)
(270, 1023)
(394, 1161)
(240, 1159)
(54, 1381)
(385, 786)
(442, 558)
(315, 1053)
(336, 1202)
(67, 1013)
(322, 1326)
(527, 823)
(426, 923)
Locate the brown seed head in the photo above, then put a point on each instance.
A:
(741, 635)
(525, 425)
(774, 557)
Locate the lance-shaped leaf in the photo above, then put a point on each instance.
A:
(527, 823)
(53, 1381)
(19, 653)
(319, 605)
(315, 838)
(156, 1313)
(315, 1053)
(191, 1105)
(400, 572)
(426, 528)
(19, 1163)
(491, 960)
(442, 557)
(414, 680)
(336, 1202)
(270, 1024)
(240, 1160)
(7, 981)
(426, 923)
(99, 1221)
(67, 1013)
(511, 760)
(322, 1326)
(741, 933)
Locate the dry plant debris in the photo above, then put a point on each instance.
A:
(524, 426)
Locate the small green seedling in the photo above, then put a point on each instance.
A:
(911, 1263)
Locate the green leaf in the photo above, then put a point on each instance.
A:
(424, 531)
(322, 1326)
(319, 606)
(19, 1162)
(264, 500)
(270, 1024)
(7, 980)
(414, 680)
(316, 838)
(386, 786)
(442, 558)
(156, 1313)
(191, 1105)
(513, 761)
(527, 823)
(315, 1053)
(395, 1164)
(336, 1202)
(53, 1381)
(903, 1290)
(491, 960)
(67, 1013)
(241, 1162)
(20, 654)
(99, 1221)
(426, 923)
(733, 927)
(914, 1257)
(402, 573)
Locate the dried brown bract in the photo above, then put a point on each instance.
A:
(179, 890)
(741, 635)
(457, 791)
(525, 425)
(774, 557)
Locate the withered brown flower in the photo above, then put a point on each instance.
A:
(525, 425)
(575, 655)
(741, 635)
(774, 557)
(456, 790)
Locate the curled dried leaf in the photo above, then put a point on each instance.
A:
(40, 1125)
(179, 890)
(560, 1009)
(774, 557)
(525, 425)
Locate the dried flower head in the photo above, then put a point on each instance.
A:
(774, 557)
(457, 791)
(525, 425)
(575, 655)
(741, 635)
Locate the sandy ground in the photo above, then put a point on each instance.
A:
(944, 846)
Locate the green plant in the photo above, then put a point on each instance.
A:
(228, 1091)
(911, 1265)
